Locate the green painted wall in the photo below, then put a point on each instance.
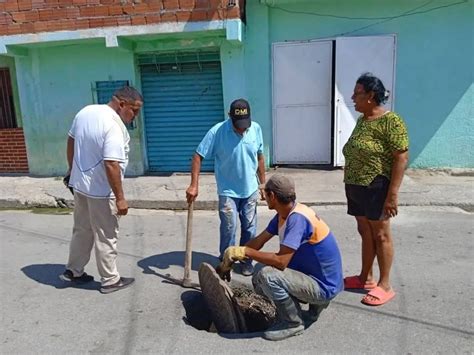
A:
(55, 83)
(434, 64)
(8, 62)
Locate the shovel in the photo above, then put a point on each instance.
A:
(186, 281)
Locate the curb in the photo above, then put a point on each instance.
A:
(210, 205)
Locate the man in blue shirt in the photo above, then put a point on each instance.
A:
(307, 267)
(237, 147)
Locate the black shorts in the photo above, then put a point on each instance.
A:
(368, 201)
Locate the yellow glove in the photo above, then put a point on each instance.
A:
(233, 254)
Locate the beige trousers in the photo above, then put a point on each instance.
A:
(95, 226)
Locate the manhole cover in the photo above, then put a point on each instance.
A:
(219, 298)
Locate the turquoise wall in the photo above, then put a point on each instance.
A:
(434, 65)
(8, 62)
(55, 83)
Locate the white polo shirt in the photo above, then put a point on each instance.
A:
(99, 134)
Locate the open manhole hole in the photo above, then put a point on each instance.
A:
(226, 308)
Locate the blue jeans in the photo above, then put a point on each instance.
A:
(229, 209)
(278, 285)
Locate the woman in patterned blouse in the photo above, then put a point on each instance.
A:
(376, 155)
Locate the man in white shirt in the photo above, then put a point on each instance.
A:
(97, 154)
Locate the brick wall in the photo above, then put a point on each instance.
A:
(13, 151)
(32, 16)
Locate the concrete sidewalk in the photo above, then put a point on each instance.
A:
(314, 187)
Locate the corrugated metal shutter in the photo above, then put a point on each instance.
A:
(183, 100)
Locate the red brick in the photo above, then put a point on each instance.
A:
(141, 8)
(45, 14)
(186, 4)
(11, 6)
(233, 12)
(65, 2)
(215, 14)
(110, 22)
(216, 4)
(115, 10)
(199, 15)
(183, 16)
(101, 11)
(96, 22)
(169, 17)
(138, 20)
(53, 25)
(24, 5)
(32, 16)
(202, 4)
(40, 26)
(3, 31)
(93, 2)
(27, 27)
(36, 4)
(153, 18)
(87, 11)
(106, 2)
(5, 18)
(79, 2)
(19, 16)
(59, 14)
(82, 23)
(14, 29)
(128, 9)
(171, 4)
(124, 21)
(155, 5)
(68, 24)
(73, 12)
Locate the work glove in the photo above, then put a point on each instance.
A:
(66, 182)
(231, 255)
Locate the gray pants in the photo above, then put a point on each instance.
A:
(278, 285)
(95, 226)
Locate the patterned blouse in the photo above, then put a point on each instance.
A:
(368, 152)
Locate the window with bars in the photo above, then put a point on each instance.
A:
(104, 91)
(7, 109)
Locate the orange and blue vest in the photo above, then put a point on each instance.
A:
(316, 252)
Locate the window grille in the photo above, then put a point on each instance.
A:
(104, 91)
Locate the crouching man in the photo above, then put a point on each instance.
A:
(307, 268)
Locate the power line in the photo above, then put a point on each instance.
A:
(405, 14)
(387, 19)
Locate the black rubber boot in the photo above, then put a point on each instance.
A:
(313, 313)
(290, 321)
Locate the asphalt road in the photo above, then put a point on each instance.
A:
(432, 275)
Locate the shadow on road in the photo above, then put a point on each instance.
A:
(174, 258)
(48, 274)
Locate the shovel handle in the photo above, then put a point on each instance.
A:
(189, 237)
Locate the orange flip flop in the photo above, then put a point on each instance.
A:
(353, 282)
(378, 296)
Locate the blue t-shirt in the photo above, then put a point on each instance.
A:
(316, 251)
(236, 157)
